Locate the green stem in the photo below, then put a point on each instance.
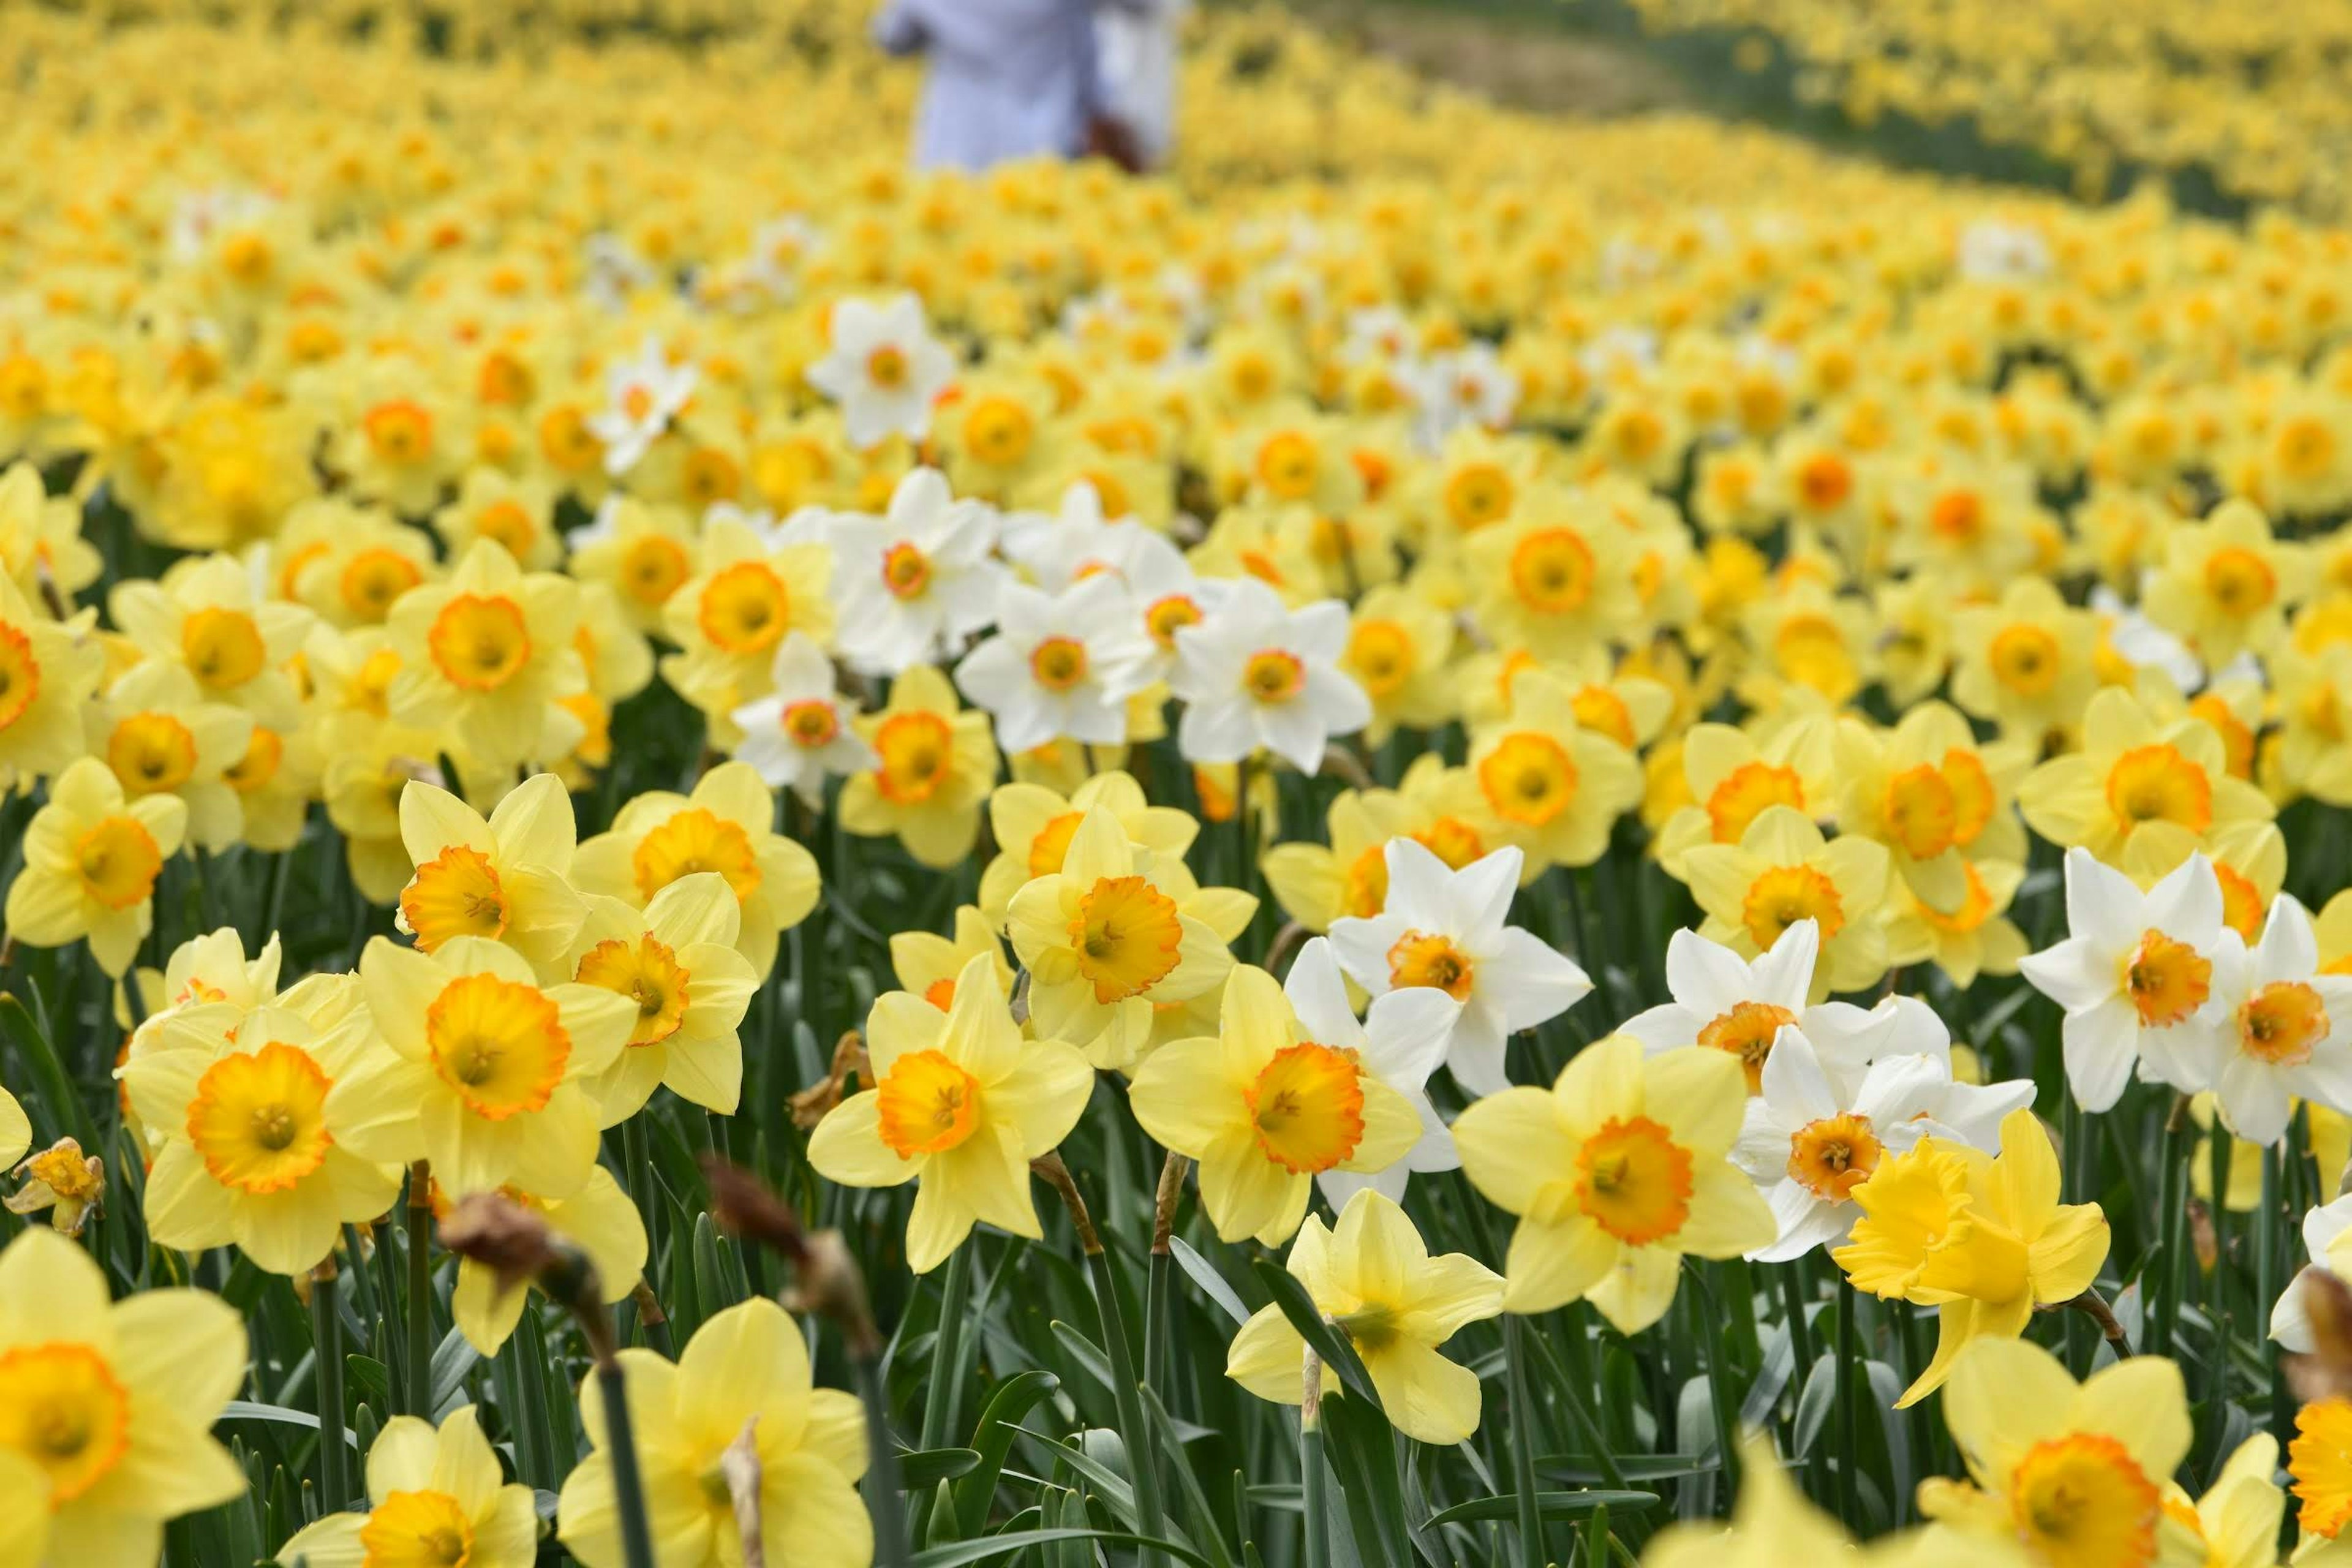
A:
(890, 1550)
(2173, 1198)
(2217, 1282)
(1801, 1342)
(621, 1453)
(420, 1291)
(1310, 1466)
(1523, 1442)
(2266, 1289)
(327, 1343)
(1849, 1358)
(1142, 1463)
(946, 1346)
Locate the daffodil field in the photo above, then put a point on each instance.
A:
(1451, 838)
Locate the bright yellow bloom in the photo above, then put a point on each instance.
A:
(1117, 932)
(1617, 1172)
(745, 1374)
(1373, 1277)
(2028, 662)
(434, 1497)
(1265, 1109)
(1734, 776)
(1984, 1239)
(2238, 1518)
(728, 621)
(927, 964)
(2320, 1461)
(1439, 808)
(48, 673)
(962, 1103)
(1938, 801)
(726, 825)
(113, 1400)
(205, 616)
(1400, 648)
(676, 962)
(91, 857)
(503, 879)
(487, 656)
(2074, 1474)
(2226, 584)
(1554, 788)
(157, 731)
(2136, 776)
(478, 1068)
(1782, 871)
(1033, 827)
(939, 764)
(599, 1219)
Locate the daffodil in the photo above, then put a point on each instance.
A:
(1984, 1238)
(1373, 1277)
(502, 878)
(599, 1219)
(727, 826)
(16, 1129)
(113, 1400)
(1554, 788)
(962, 1103)
(918, 581)
(2319, 1461)
(478, 1068)
(2238, 1519)
(1782, 871)
(728, 621)
(47, 672)
(205, 614)
(1033, 827)
(1264, 1108)
(2136, 776)
(927, 964)
(160, 735)
(676, 962)
(1114, 933)
(938, 763)
(799, 734)
(487, 656)
(2026, 661)
(1616, 1173)
(2072, 1473)
(91, 858)
(1439, 808)
(434, 1495)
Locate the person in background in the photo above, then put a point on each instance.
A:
(1008, 79)
(1138, 42)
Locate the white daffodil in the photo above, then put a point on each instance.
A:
(2282, 1029)
(646, 393)
(1903, 1027)
(800, 733)
(1060, 666)
(2327, 1237)
(884, 368)
(1726, 1003)
(1256, 673)
(913, 583)
(1401, 1041)
(1808, 1141)
(2135, 977)
(1444, 929)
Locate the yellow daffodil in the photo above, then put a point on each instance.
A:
(1264, 1110)
(1983, 1238)
(1553, 787)
(1616, 1172)
(960, 1104)
(2134, 777)
(744, 1377)
(434, 1495)
(47, 672)
(487, 656)
(599, 1219)
(939, 764)
(1440, 807)
(1373, 1277)
(676, 962)
(205, 615)
(1783, 870)
(927, 964)
(1033, 827)
(503, 879)
(91, 858)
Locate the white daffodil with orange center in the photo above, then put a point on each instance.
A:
(752, 593)
(1444, 930)
(1264, 1109)
(962, 1103)
(742, 1379)
(2137, 776)
(1401, 1040)
(1616, 1172)
(91, 858)
(1112, 934)
(1738, 1006)
(599, 1218)
(1812, 1134)
(161, 736)
(501, 880)
(47, 672)
(205, 614)
(1033, 827)
(726, 825)
(1059, 667)
(2327, 1241)
(2071, 1474)
(480, 1069)
(112, 1401)
(643, 396)
(937, 763)
(1256, 674)
(915, 582)
(1782, 871)
(1552, 787)
(249, 1156)
(1371, 1275)
(1439, 808)
(487, 657)
(677, 961)
(2135, 977)
(883, 368)
(437, 1498)
(2281, 1030)
(799, 734)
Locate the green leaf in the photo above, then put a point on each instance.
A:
(1203, 1273)
(1550, 1505)
(995, 1546)
(277, 1414)
(1326, 1341)
(920, 1468)
(992, 1441)
(1584, 1468)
